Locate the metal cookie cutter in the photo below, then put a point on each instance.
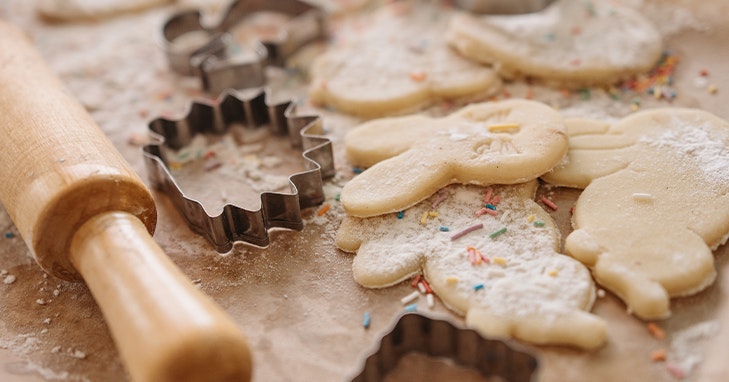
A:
(282, 210)
(503, 7)
(219, 61)
(415, 332)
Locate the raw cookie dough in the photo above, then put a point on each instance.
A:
(395, 61)
(525, 289)
(655, 204)
(412, 157)
(570, 43)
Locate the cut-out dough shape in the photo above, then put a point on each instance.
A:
(412, 157)
(526, 290)
(655, 204)
(397, 61)
(571, 43)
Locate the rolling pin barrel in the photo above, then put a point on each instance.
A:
(85, 214)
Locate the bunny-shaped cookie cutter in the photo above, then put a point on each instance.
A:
(216, 58)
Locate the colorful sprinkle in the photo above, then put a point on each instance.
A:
(400, 214)
(539, 223)
(367, 320)
(658, 355)
(426, 285)
(477, 287)
(466, 231)
(641, 196)
(474, 256)
(416, 281)
(324, 209)
(421, 288)
(499, 260)
(418, 75)
(433, 214)
(504, 128)
(497, 233)
(553, 273)
(530, 218)
(489, 192)
(585, 94)
(495, 200)
(634, 104)
(9, 235)
(452, 280)
(442, 196)
(549, 203)
(675, 370)
(444, 228)
(411, 308)
(712, 89)
(424, 218)
(490, 206)
(656, 331)
(410, 298)
(430, 300)
(504, 217)
(357, 170)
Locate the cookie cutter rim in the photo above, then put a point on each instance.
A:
(278, 209)
(503, 7)
(435, 337)
(212, 61)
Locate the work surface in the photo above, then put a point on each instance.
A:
(296, 300)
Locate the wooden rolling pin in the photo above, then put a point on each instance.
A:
(85, 214)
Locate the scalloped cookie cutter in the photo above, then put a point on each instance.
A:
(280, 210)
(217, 59)
(503, 7)
(415, 332)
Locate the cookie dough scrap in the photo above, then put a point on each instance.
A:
(507, 277)
(655, 204)
(570, 43)
(412, 157)
(395, 62)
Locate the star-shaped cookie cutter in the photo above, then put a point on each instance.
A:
(278, 209)
(217, 59)
(416, 332)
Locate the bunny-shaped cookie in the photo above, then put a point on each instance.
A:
(396, 60)
(412, 157)
(573, 44)
(506, 278)
(655, 204)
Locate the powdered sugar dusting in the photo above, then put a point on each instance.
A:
(518, 275)
(704, 143)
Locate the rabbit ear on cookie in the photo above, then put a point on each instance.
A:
(376, 191)
(503, 142)
(594, 152)
(381, 139)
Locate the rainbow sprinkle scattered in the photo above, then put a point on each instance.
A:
(367, 320)
(466, 231)
(497, 233)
